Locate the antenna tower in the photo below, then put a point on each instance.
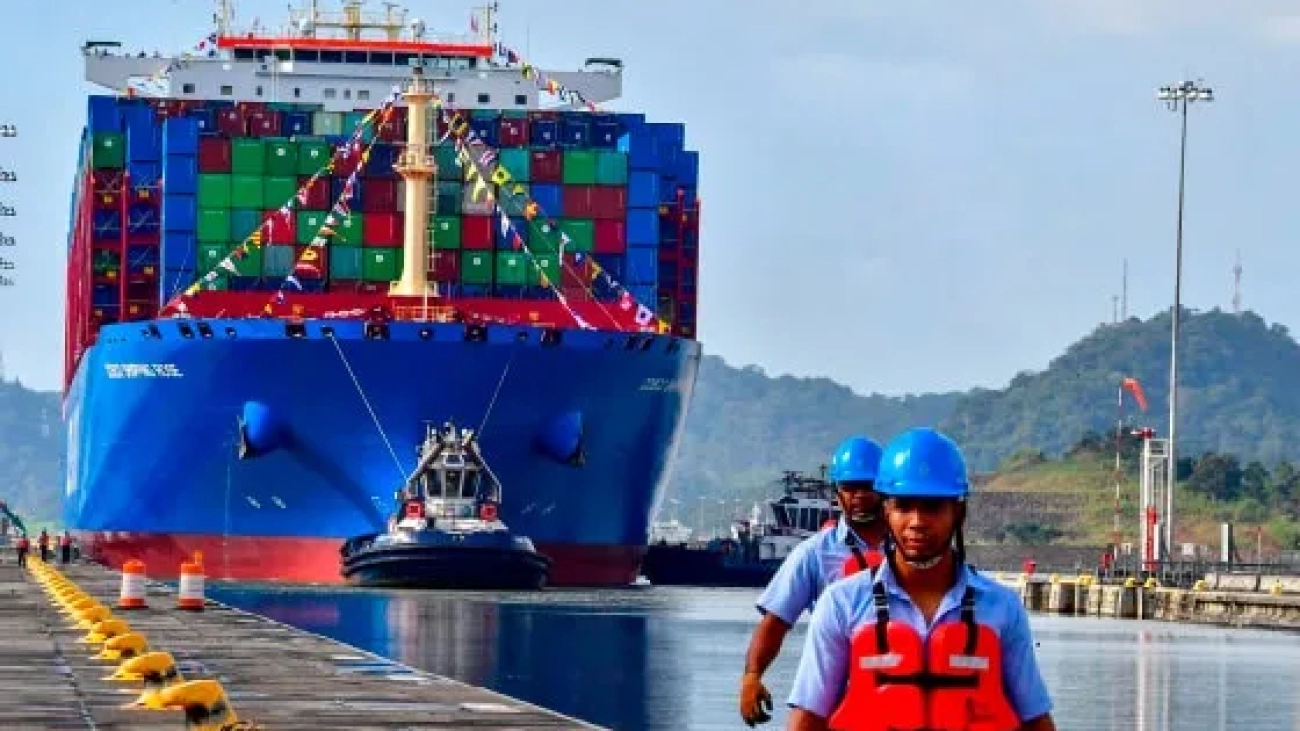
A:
(1123, 294)
(1236, 285)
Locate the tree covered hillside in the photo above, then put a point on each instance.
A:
(1239, 391)
(31, 452)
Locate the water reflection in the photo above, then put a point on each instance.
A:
(671, 658)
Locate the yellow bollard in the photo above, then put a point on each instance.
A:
(122, 647)
(158, 671)
(1199, 585)
(205, 704)
(87, 618)
(104, 631)
(1152, 583)
(1276, 588)
(1130, 582)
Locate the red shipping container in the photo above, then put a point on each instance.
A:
(107, 189)
(577, 201)
(264, 123)
(214, 154)
(610, 237)
(476, 233)
(575, 275)
(247, 107)
(231, 122)
(608, 201)
(312, 262)
(279, 230)
(513, 133)
(394, 130)
(378, 195)
(382, 230)
(318, 194)
(446, 267)
(546, 166)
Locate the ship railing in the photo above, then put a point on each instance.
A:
(425, 313)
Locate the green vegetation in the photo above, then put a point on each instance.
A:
(31, 453)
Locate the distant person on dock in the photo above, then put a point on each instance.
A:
(925, 641)
(845, 547)
(23, 545)
(44, 543)
(65, 548)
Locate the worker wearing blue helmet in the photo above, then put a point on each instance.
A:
(924, 642)
(844, 547)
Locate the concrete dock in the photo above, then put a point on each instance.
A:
(55, 620)
(1263, 602)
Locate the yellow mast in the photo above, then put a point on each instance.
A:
(417, 168)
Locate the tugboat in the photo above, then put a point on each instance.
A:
(446, 532)
(756, 547)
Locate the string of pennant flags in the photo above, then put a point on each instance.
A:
(544, 82)
(205, 48)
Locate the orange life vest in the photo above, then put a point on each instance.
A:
(860, 560)
(24, 544)
(900, 682)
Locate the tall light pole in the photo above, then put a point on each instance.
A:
(1178, 97)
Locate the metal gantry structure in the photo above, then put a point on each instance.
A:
(7, 210)
(1178, 98)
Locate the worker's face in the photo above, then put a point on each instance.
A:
(923, 528)
(859, 501)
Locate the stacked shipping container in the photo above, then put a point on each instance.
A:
(178, 185)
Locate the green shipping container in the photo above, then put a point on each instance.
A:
(246, 191)
(515, 196)
(514, 114)
(327, 124)
(517, 161)
(485, 114)
(281, 157)
(345, 262)
(312, 156)
(445, 157)
(543, 238)
(447, 201)
(347, 231)
(309, 223)
(513, 269)
(247, 156)
(581, 233)
(214, 190)
(214, 225)
(210, 255)
(352, 120)
(476, 267)
(611, 168)
(579, 167)
(444, 232)
(108, 151)
(550, 266)
(278, 261)
(251, 263)
(244, 221)
(380, 265)
(278, 191)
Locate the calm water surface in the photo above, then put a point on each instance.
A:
(668, 658)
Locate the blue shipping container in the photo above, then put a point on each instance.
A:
(140, 258)
(105, 295)
(548, 196)
(106, 225)
(179, 250)
(643, 150)
(382, 159)
(141, 135)
(643, 189)
(686, 165)
(102, 115)
(644, 294)
(613, 264)
(642, 266)
(503, 240)
(642, 226)
(180, 213)
(672, 135)
(180, 175)
(543, 133)
(144, 174)
(605, 135)
(205, 119)
(180, 136)
(174, 282)
(486, 129)
(575, 133)
(142, 219)
(358, 192)
(296, 123)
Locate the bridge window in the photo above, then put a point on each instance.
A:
(330, 93)
(227, 90)
(355, 57)
(187, 88)
(385, 59)
(297, 93)
(363, 94)
(403, 59)
(347, 93)
(331, 57)
(521, 100)
(307, 55)
(258, 91)
(484, 98)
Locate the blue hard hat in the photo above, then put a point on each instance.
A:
(922, 463)
(856, 460)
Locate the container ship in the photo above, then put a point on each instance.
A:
(292, 249)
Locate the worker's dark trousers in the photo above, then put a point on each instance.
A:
(22, 557)
(65, 554)
(45, 553)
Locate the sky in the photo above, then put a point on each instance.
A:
(904, 197)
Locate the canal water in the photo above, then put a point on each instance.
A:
(670, 658)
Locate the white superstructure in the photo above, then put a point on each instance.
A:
(344, 60)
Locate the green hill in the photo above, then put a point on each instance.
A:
(31, 452)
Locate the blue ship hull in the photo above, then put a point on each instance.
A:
(154, 467)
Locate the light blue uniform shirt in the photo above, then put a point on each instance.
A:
(804, 574)
(848, 606)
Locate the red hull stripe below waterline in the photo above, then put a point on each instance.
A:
(317, 560)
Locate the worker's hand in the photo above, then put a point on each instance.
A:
(755, 701)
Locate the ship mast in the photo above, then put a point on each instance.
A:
(225, 11)
(417, 168)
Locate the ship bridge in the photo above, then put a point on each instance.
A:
(343, 60)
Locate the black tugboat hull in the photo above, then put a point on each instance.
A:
(446, 566)
(677, 565)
